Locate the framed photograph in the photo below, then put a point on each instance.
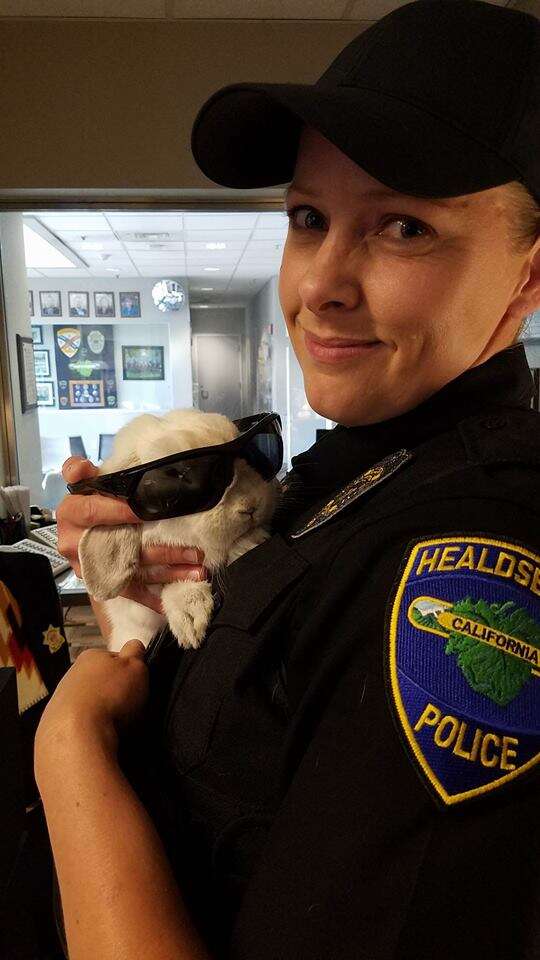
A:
(45, 393)
(31, 303)
(130, 304)
(37, 333)
(78, 303)
(86, 394)
(104, 304)
(42, 363)
(50, 303)
(27, 373)
(142, 363)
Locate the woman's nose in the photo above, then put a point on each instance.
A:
(330, 282)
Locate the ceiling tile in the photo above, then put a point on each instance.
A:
(150, 270)
(168, 246)
(270, 233)
(154, 222)
(156, 256)
(218, 221)
(200, 246)
(207, 236)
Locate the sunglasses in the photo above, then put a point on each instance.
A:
(195, 480)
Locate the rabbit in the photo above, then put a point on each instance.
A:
(109, 555)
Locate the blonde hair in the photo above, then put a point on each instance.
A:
(523, 223)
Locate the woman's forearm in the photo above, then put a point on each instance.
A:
(119, 896)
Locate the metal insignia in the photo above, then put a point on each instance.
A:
(355, 488)
(52, 638)
(464, 663)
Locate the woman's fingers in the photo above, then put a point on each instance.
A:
(75, 513)
(135, 590)
(169, 554)
(168, 574)
(93, 509)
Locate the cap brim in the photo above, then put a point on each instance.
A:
(246, 136)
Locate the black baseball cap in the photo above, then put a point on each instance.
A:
(437, 99)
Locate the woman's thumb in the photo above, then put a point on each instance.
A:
(78, 468)
(133, 648)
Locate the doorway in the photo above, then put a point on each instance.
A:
(217, 373)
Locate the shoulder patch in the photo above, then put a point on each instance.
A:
(463, 663)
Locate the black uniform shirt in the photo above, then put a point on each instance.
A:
(347, 766)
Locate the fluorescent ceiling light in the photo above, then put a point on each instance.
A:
(43, 250)
(212, 269)
(215, 246)
(41, 255)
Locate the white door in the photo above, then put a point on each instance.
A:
(217, 374)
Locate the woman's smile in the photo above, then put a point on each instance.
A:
(334, 350)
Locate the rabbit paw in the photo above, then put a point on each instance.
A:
(188, 607)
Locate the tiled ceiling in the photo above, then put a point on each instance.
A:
(156, 244)
(358, 10)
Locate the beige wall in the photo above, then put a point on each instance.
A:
(97, 104)
(16, 303)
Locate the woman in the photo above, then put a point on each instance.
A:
(347, 768)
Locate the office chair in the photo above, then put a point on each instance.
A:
(77, 447)
(105, 445)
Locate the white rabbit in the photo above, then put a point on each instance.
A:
(110, 555)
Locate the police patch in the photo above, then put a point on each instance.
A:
(464, 663)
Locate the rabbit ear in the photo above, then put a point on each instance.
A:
(109, 558)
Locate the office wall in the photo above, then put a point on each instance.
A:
(16, 304)
(110, 104)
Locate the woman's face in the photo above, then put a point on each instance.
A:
(429, 289)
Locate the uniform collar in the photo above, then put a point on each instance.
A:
(340, 455)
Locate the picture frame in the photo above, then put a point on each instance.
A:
(86, 394)
(45, 393)
(50, 302)
(42, 363)
(27, 372)
(31, 303)
(130, 304)
(78, 303)
(104, 303)
(37, 333)
(141, 362)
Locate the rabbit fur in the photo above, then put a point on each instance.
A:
(109, 555)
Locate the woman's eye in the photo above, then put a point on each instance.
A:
(307, 218)
(299, 223)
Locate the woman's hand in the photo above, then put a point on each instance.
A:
(101, 694)
(159, 564)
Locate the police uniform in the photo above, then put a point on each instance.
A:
(347, 768)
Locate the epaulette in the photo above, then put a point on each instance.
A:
(508, 434)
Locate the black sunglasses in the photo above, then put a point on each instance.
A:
(194, 480)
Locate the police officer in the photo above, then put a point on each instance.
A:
(347, 769)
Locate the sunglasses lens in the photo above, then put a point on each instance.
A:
(182, 487)
(264, 453)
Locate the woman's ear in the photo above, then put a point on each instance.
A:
(109, 558)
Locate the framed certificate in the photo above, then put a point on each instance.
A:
(27, 372)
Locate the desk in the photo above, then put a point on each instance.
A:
(71, 590)
(82, 631)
